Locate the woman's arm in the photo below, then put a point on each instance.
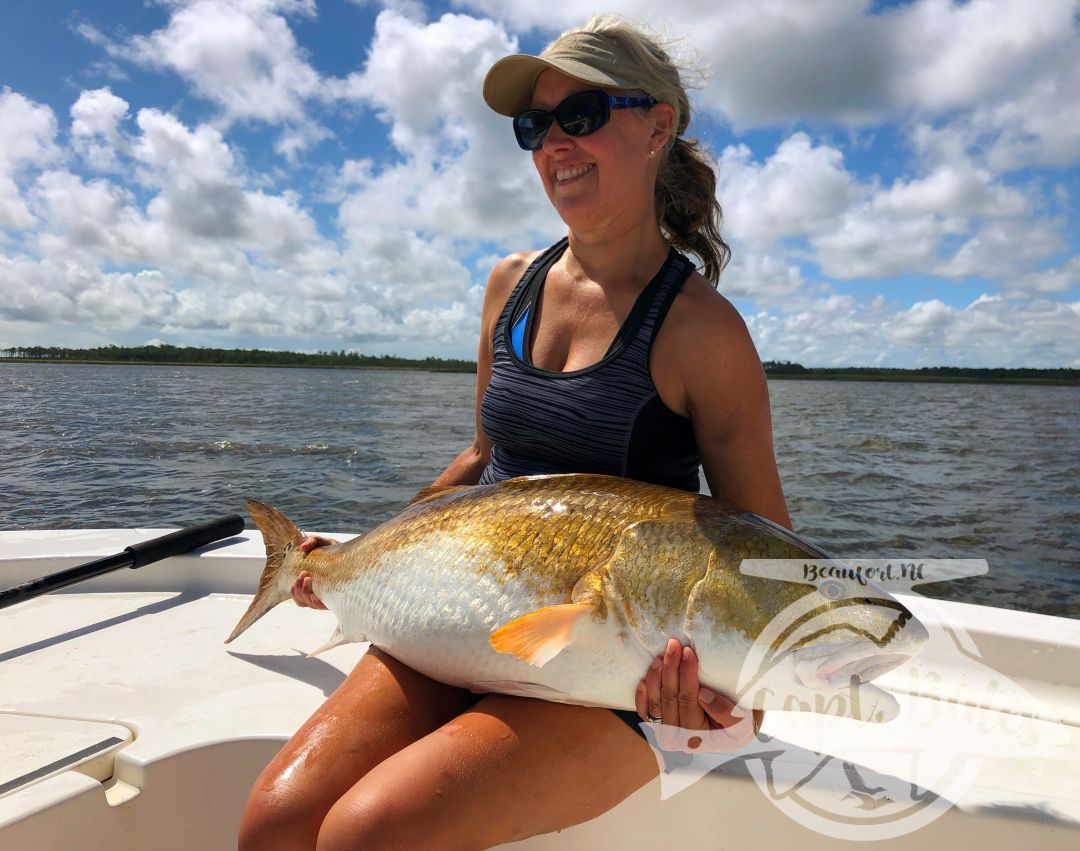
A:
(728, 403)
(705, 366)
(467, 467)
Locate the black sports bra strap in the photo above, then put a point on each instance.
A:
(533, 279)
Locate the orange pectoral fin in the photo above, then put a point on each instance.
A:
(538, 637)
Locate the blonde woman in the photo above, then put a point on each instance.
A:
(608, 352)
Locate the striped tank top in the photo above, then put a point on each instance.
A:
(606, 418)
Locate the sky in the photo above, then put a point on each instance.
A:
(899, 180)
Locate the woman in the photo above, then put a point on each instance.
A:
(605, 353)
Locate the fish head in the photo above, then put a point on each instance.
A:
(863, 632)
(820, 644)
(822, 652)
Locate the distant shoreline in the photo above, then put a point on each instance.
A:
(926, 379)
(85, 362)
(196, 356)
(782, 370)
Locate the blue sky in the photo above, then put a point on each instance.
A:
(899, 180)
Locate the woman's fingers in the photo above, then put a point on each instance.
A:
(694, 718)
(313, 542)
(313, 601)
(691, 714)
(297, 589)
(301, 589)
(669, 683)
(739, 724)
(303, 594)
(653, 709)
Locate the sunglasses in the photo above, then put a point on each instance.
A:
(579, 115)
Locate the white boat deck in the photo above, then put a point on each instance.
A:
(126, 723)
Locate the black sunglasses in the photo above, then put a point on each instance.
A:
(579, 115)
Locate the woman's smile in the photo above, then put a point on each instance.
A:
(568, 174)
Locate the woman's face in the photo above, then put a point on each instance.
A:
(601, 178)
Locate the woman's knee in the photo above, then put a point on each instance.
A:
(375, 818)
(277, 817)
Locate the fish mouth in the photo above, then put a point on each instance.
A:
(861, 662)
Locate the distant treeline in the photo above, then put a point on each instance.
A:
(261, 357)
(231, 357)
(1023, 375)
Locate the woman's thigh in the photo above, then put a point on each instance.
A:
(506, 769)
(380, 708)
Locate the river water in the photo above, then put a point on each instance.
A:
(870, 469)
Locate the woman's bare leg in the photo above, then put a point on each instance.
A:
(506, 769)
(380, 708)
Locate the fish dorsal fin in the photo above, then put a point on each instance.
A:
(434, 491)
(540, 636)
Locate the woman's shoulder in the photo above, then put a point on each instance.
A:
(703, 348)
(508, 271)
(501, 282)
(702, 310)
(504, 277)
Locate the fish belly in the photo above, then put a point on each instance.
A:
(436, 615)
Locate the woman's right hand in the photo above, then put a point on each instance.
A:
(301, 590)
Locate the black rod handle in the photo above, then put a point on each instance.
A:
(137, 555)
(185, 540)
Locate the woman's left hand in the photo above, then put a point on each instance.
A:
(695, 719)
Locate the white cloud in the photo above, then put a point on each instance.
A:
(800, 203)
(873, 244)
(1041, 124)
(98, 113)
(955, 188)
(28, 140)
(1055, 279)
(219, 256)
(412, 9)
(238, 54)
(462, 176)
(66, 291)
(161, 227)
(995, 252)
(770, 280)
(95, 128)
(989, 332)
(91, 222)
(957, 55)
(1013, 66)
(801, 189)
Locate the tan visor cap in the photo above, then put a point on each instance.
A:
(589, 57)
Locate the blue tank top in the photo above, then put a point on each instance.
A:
(606, 418)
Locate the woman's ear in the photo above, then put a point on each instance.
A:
(662, 116)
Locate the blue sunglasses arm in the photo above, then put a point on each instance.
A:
(623, 102)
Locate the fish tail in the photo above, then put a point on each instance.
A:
(277, 531)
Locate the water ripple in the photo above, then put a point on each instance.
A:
(870, 469)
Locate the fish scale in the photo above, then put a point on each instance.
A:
(564, 587)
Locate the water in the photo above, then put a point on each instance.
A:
(870, 469)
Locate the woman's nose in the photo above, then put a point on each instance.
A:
(556, 139)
